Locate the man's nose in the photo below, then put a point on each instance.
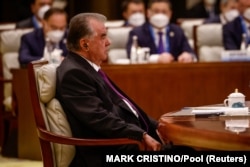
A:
(108, 42)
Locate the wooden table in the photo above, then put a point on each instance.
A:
(203, 132)
(162, 88)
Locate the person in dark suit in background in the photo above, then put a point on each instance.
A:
(94, 105)
(229, 11)
(38, 8)
(49, 39)
(204, 9)
(167, 40)
(133, 11)
(238, 31)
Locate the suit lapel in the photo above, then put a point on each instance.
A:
(114, 98)
(149, 39)
(41, 42)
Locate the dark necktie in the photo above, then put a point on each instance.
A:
(105, 78)
(160, 44)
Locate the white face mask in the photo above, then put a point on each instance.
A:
(42, 11)
(136, 19)
(246, 13)
(232, 14)
(55, 35)
(159, 20)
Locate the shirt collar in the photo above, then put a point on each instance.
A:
(36, 22)
(163, 30)
(96, 67)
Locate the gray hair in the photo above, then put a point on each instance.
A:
(79, 27)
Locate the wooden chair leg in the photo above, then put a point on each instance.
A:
(1, 132)
(9, 147)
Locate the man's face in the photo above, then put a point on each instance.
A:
(159, 8)
(98, 43)
(38, 4)
(231, 5)
(243, 5)
(55, 22)
(133, 8)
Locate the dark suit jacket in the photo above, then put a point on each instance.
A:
(232, 34)
(32, 46)
(93, 110)
(177, 40)
(27, 23)
(197, 11)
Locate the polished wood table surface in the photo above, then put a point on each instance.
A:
(205, 133)
(162, 88)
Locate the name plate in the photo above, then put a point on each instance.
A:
(235, 55)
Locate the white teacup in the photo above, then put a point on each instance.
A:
(235, 100)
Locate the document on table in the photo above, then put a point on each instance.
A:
(220, 111)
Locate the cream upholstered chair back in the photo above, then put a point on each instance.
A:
(7, 26)
(114, 23)
(53, 113)
(208, 42)
(10, 41)
(187, 26)
(9, 46)
(119, 38)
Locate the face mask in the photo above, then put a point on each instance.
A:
(210, 2)
(136, 19)
(247, 13)
(42, 11)
(231, 15)
(159, 20)
(55, 35)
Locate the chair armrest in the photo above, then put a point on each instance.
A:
(5, 80)
(51, 137)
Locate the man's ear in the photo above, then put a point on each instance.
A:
(84, 44)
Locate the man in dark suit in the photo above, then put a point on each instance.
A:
(94, 105)
(163, 38)
(47, 40)
(229, 12)
(237, 32)
(203, 9)
(133, 11)
(38, 8)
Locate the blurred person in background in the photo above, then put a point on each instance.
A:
(229, 11)
(164, 39)
(237, 32)
(38, 8)
(204, 9)
(133, 11)
(45, 41)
